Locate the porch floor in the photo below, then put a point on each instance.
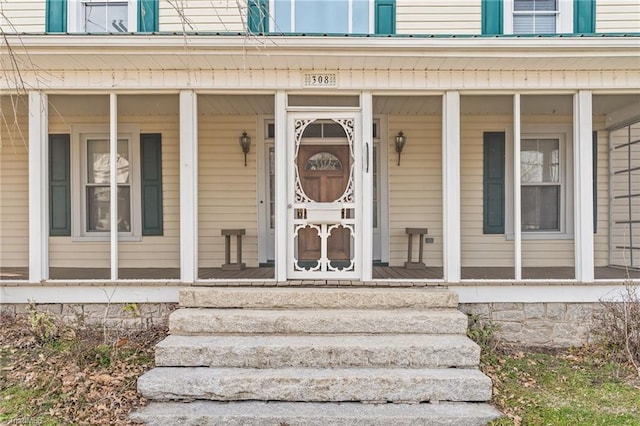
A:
(267, 273)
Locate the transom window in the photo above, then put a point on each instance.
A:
(541, 186)
(321, 16)
(323, 161)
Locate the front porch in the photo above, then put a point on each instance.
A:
(393, 275)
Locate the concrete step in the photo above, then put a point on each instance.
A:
(320, 351)
(250, 413)
(318, 298)
(315, 385)
(189, 321)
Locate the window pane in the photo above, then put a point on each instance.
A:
(272, 186)
(98, 170)
(98, 209)
(333, 130)
(535, 5)
(101, 17)
(313, 130)
(540, 161)
(323, 161)
(322, 16)
(541, 208)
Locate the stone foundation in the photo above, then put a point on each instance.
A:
(532, 324)
(131, 316)
(538, 324)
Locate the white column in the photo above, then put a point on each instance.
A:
(451, 185)
(583, 185)
(38, 191)
(281, 211)
(366, 212)
(517, 215)
(188, 186)
(113, 183)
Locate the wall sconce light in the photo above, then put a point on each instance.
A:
(245, 143)
(400, 141)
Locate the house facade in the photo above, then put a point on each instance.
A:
(486, 145)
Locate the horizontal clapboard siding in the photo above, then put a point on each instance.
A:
(203, 15)
(415, 187)
(438, 17)
(14, 184)
(227, 189)
(22, 16)
(618, 16)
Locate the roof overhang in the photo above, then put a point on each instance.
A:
(163, 52)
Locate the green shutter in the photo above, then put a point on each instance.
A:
(59, 185)
(494, 198)
(595, 180)
(148, 11)
(151, 159)
(56, 16)
(385, 11)
(584, 16)
(492, 17)
(258, 16)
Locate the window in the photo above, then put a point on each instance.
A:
(546, 182)
(90, 183)
(313, 16)
(106, 16)
(541, 188)
(538, 16)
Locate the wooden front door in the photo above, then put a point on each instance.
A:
(324, 176)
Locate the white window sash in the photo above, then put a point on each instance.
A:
(75, 14)
(564, 16)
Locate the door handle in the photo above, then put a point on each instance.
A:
(366, 145)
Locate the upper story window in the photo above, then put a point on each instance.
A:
(538, 16)
(102, 16)
(110, 16)
(322, 17)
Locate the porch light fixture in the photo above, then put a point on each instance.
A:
(400, 141)
(245, 143)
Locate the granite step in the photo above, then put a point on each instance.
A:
(318, 298)
(315, 385)
(321, 351)
(194, 321)
(253, 413)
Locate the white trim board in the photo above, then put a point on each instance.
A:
(467, 293)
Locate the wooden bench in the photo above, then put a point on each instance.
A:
(409, 264)
(228, 233)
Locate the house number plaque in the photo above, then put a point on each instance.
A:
(320, 80)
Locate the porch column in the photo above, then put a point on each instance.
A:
(188, 186)
(281, 211)
(583, 185)
(38, 193)
(451, 185)
(517, 204)
(113, 183)
(366, 212)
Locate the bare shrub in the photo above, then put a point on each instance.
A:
(617, 326)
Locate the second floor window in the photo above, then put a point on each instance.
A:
(538, 16)
(105, 16)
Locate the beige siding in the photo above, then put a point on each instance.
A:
(152, 251)
(477, 248)
(203, 15)
(415, 187)
(600, 239)
(14, 184)
(618, 16)
(438, 17)
(22, 16)
(227, 189)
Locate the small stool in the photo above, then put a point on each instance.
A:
(228, 266)
(419, 264)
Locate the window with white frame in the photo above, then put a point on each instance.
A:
(538, 16)
(91, 184)
(106, 16)
(317, 16)
(541, 186)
